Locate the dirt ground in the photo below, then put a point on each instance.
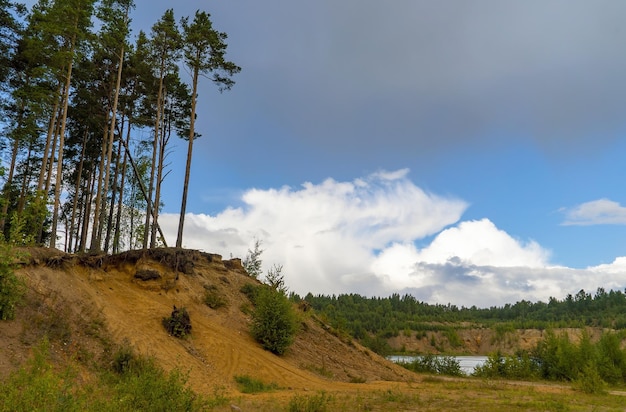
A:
(87, 303)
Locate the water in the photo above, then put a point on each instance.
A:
(467, 363)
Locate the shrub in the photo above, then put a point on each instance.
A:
(589, 381)
(213, 298)
(178, 324)
(11, 287)
(274, 321)
(442, 365)
(377, 344)
(520, 366)
(250, 291)
(248, 384)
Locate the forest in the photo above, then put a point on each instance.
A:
(89, 111)
(364, 317)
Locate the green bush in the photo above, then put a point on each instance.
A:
(149, 388)
(377, 344)
(441, 365)
(589, 381)
(11, 287)
(251, 291)
(213, 298)
(520, 366)
(178, 324)
(274, 321)
(248, 384)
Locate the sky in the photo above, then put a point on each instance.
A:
(464, 152)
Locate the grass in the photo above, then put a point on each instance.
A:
(311, 403)
(248, 384)
(132, 384)
(443, 394)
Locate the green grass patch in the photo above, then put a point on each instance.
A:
(248, 384)
(314, 403)
(213, 298)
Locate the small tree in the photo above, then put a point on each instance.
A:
(276, 280)
(11, 287)
(252, 262)
(274, 321)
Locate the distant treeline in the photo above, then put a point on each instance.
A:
(386, 317)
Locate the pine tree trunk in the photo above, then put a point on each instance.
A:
(192, 121)
(79, 174)
(157, 127)
(59, 180)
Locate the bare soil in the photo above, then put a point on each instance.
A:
(89, 304)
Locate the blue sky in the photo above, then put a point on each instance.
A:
(465, 152)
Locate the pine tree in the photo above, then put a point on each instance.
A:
(204, 49)
(165, 49)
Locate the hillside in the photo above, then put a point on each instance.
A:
(87, 304)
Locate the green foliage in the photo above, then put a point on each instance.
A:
(178, 323)
(248, 384)
(275, 279)
(441, 365)
(377, 344)
(590, 366)
(213, 298)
(520, 366)
(252, 263)
(24, 222)
(12, 288)
(358, 314)
(148, 387)
(251, 291)
(589, 381)
(453, 338)
(313, 403)
(274, 321)
(137, 384)
(38, 387)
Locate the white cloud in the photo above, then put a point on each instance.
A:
(596, 212)
(360, 237)
(324, 234)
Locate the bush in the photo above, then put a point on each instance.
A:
(248, 384)
(442, 365)
(250, 291)
(178, 324)
(377, 344)
(213, 298)
(589, 381)
(274, 321)
(149, 388)
(520, 366)
(11, 287)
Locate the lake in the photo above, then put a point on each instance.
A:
(467, 363)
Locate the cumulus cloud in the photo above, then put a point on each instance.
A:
(596, 212)
(361, 237)
(326, 235)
